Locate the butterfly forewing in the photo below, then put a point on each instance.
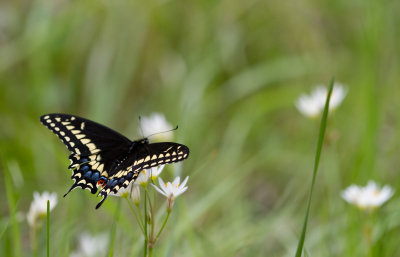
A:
(94, 147)
(82, 136)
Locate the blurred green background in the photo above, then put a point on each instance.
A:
(228, 73)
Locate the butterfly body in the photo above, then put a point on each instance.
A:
(102, 157)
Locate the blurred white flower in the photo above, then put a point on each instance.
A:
(175, 188)
(313, 105)
(367, 197)
(90, 246)
(38, 207)
(156, 123)
(339, 92)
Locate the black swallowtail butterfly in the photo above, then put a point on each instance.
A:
(103, 157)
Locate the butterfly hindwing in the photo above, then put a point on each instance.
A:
(83, 174)
(145, 156)
(155, 154)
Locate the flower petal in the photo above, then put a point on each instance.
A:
(185, 181)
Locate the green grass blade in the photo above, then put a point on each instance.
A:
(48, 228)
(12, 205)
(316, 163)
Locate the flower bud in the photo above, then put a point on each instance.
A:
(135, 194)
(149, 218)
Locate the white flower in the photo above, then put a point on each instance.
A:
(38, 207)
(89, 245)
(143, 178)
(312, 105)
(173, 189)
(367, 197)
(155, 172)
(157, 124)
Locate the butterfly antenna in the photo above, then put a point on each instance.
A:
(163, 131)
(140, 125)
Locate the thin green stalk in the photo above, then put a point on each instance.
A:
(162, 227)
(13, 210)
(316, 164)
(367, 231)
(153, 216)
(151, 240)
(48, 228)
(139, 213)
(148, 197)
(139, 221)
(146, 240)
(33, 232)
(114, 229)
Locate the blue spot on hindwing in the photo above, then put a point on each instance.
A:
(109, 182)
(96, 176)
(114, 182)
(88, 174)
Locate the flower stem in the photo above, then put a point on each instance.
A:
(148, 197)
(34, 241)
(48, 228)
(139, 221)
(367, 232)
(368, 238)
(152, 215)
(151, 237)
(162, 227)
(146, 241)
